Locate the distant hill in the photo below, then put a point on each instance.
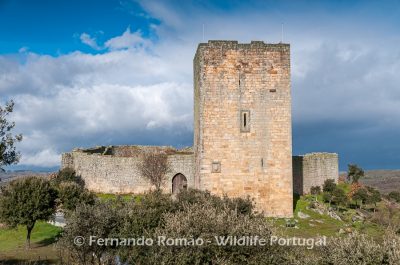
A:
(11, 175)
(384, 180)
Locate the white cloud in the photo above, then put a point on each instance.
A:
(90, 41)
(23, 49)
(123, 96)
(43, 158)
(127, 40)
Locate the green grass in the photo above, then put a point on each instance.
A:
(125, 197)
(345, 187)
(42, 234)
(323, 225)
(315, 225)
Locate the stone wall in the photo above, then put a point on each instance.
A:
(242, 155)
(313, 169)
(119, 173)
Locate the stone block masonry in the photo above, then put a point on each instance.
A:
(313, 169)
(242, 130)
(114, 169)
(242, 135)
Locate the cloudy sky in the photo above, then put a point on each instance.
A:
(86, 73)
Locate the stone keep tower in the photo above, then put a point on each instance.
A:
(242, 123)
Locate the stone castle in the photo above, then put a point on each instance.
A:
(242, 135)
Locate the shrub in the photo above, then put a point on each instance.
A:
(374, 196)
(315, 190)
(395, 196)
(67, 175)
(360, 195)
(101, 220)
(193, 196)
(329, 185)
(339, 197)
(327, 197)
(206, 221)
(387, 216)
(359, 249)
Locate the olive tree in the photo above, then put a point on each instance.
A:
(8, 153)
(329, 185)
(355, 173)
(70, 194)
(25, 201)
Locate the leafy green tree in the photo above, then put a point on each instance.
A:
(67, 175)
(327, 197)
(395, 196)
(355, 173)
(374, 196)
(360, 195)
(71, 194)
(25, 201)
(8, 153)
(329, 185)
(339, 197)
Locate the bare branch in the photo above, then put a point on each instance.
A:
(154, 167)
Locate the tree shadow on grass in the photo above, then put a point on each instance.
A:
(47, 241)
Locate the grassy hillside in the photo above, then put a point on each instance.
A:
(317, 224)
(315, 217)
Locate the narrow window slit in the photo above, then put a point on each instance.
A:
(245, 121)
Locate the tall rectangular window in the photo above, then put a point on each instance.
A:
(245, 121)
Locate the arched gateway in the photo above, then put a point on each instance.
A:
(179, 182)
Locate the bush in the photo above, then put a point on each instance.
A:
(193, 196)
(329, 185)
(315, 190)
(196, 214)
(327, 197)
(205, 221)
(67, 175)
(360, 195)
(339, 197)
(374, 196)
(101, 220)
(395, 196)
(359, 249)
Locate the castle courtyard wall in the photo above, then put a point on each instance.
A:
(118, 174)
